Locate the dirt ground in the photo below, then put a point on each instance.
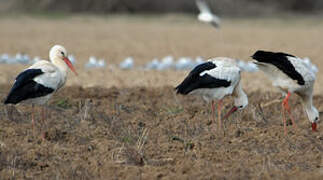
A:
(115, 124)
(151, 133)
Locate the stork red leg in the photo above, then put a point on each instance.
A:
(284, 119)
(286, 106)
(33, 119)
(219, 114)
(43, 123)
(213, 111)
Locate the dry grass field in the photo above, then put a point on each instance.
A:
(115, 38)
(117, 124)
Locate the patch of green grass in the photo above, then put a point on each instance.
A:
(173, 110)
(63, 103)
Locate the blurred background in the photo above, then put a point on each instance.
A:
(223, 7)
(141, 42)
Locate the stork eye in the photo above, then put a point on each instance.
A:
(62, 53)
(316, 119)
(240, 106)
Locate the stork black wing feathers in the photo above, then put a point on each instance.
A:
(194, 81)
(280, 60)
(25, 87)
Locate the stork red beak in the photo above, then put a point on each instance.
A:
(314, 126)
(234, 109)
(69, 64)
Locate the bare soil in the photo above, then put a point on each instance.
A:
(152, 133)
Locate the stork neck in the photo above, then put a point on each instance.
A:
(61, 65)
(308, 102)
(240, 96)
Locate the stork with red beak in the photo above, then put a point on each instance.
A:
(290, 74)
(39, 82)
(213, 80)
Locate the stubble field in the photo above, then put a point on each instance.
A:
(116, 124)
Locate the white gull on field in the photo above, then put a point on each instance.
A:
(128, 63)
(35, 59)
(184, 63)
(154, 64)
(92, 62)
(72, 58)
(4, 58)
(166, 63)
(101, 63)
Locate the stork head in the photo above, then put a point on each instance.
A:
(313, 116)
(240, 102)
(59, 52)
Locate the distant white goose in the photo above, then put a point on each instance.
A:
(206, 15)
(291, 75)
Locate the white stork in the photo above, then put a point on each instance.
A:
(291, 75)
(206, 15)
(213, 80)
(39, 82)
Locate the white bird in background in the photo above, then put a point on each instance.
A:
(184, 63)
(247, 66)
(35, 60)
(128, 63)
(154, 64)
(4, 58)
(92, 63)
(291, 75)
(39, 82)
(166, 63)
(72, 58)
(101, 63)
(18, 58)
(213, 80)
(206, 15)
(25, 59)
(199, 60)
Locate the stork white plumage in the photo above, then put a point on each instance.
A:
(213, 80)
(291, 75)
(206, 15)
(39, 82)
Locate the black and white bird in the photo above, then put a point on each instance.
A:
(39, 82)
(290, 74)
(213, 80)
(206, 14)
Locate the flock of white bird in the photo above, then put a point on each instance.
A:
(166, 63)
